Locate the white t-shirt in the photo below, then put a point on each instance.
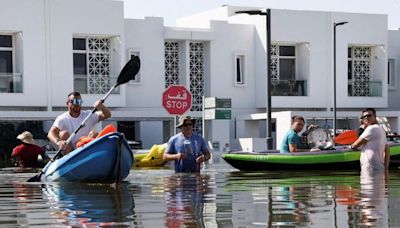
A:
(373, 152)
(65, 122)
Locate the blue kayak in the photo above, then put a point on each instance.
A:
(106, 159)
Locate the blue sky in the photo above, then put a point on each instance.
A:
(170, 10)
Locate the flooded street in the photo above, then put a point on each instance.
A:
(220, 196)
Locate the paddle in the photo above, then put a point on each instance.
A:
(127, 73)
(347, 137)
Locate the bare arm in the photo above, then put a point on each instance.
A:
(359, 142)
(387, 156)
(53, 135)
(171, 157)
(105, 113)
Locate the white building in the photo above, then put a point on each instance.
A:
(49, 48)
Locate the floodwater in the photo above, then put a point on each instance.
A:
(220, 196)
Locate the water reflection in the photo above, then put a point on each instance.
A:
(373, 198)
(185, 199)
(90, 204)
(291, 200)
(217, 197)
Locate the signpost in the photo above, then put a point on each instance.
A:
(177, 100)
(217, 108)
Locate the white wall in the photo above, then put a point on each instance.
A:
(150, 133)
(26, 19)
(147, 37)
(394, 53)
(74, 17)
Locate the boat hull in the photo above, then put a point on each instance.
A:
(106, 159)
(340, 159)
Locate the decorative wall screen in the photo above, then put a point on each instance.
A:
(359, 70)
(274, 62)
(197, 75)
(171, 63)
(99, 65)
(198, 125)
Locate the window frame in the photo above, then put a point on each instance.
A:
(10, 49)
(138, 78)
(243, 79)
(392, 82)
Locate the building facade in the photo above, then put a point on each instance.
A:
(54, 47)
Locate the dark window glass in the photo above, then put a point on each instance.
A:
(6, 62)
(80, 63)
(286, 51)
(287, 69)
(348, 52)
(388, 75)
(238, 71)
(349, 69)
(79, 44)
(5, 41)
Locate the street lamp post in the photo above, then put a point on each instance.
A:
(334, 74)
(267, 15)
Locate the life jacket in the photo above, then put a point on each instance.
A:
(86, 139)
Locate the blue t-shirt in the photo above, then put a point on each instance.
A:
(291, 137)
(193, 147)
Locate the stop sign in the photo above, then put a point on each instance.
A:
(177, 99)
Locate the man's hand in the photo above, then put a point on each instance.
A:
(62, 144)
(200, 159)
(180, 156)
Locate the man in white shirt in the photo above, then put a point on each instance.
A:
(374, 149)
(69, 121)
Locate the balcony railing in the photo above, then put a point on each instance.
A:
(10, 83)
(289, 88)
(364, 88)
(81, 84)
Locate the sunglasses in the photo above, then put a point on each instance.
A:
(76, 101)
(365, 116)
(187, 124)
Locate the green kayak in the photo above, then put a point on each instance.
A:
(340, 158)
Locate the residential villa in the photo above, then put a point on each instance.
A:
(49, 48)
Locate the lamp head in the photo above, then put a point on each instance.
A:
(251, 12)
(341, 23)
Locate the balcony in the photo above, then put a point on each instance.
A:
(10, 83)
(289, 88)
(361, 88)
(82, 85)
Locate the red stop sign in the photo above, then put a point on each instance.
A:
(177, 99)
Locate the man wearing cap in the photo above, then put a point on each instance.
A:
(66, 123)
(187, 148)
(27, 153)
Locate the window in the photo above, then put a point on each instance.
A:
(10, 81)
(359, 70)
(239, 69)
(283, 62)
(137, 78)
(91, 59)
(391, 74)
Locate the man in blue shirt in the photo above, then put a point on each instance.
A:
(187, 148)
(291, 142)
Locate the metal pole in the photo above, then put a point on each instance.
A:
(334, 81)
(269, 72)
(334, 76)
